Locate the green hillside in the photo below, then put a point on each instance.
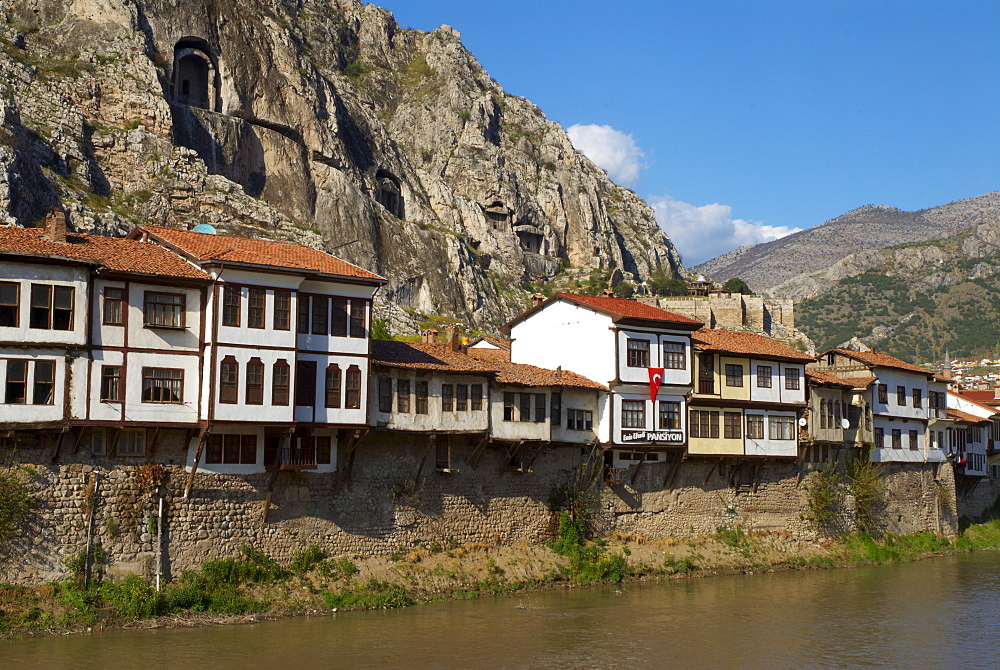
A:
(895, 312)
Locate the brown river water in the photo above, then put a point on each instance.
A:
(938, 613)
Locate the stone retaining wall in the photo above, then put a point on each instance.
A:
(380, 510)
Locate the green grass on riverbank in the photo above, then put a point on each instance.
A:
(254, 583)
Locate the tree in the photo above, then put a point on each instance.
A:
(660, 282)
(381, 329)
(736, 285)
(624, 289)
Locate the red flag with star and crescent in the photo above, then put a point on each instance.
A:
(655, 379)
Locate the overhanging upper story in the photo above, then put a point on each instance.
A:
(286, 329)
(610, 340)
(898, 389)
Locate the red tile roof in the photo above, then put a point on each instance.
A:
(826, 379)
(881, 360)
(426, 356)
(528, 375)
(206, 247)
(959, 415)
(981, 397)
(859, 382)
(627, 309)
(113, 253)
(440, 358)
(746, 344)
(973, 401)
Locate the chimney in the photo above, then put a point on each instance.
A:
(608, 293)
(453, 341)
(55, 226)
(537, 299)
(429, 336)
(558, 371)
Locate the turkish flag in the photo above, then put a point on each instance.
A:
(655, 379)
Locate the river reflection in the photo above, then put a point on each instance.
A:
(935, 613)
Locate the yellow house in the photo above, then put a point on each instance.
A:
(749, 393)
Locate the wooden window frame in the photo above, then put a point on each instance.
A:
(793, 379)
(765, 380)
(447, 397)
(113, 308)
(385, 395)
(780, 425)
(476, 397)
(111, 384)
(304, 318)
(229, 381)
(352, 394)
(46, 389)
(320, 324)
(218, 452)
(883, 394)
(332, 386)
(509, 403)
(754, 426)
(50, 294)
(674, 357)
(541, 411)
(281, 312)
(403, 396)
(666, 410)
(421, 392)
(734, 374)
(281, 376)
(10, 312)
(732, 425)
(524, 407)
(461, 397)
(901, 396)
(912, 440)
(636, 353)
(633, 413)
(555, 408)
(232, 299)
(359, 320)
(255, 382)
(338, 316)
(256, 307)
(156, 312)
(155, 383)
(11, 383)
(918, 397)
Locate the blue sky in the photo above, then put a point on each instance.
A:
(743, 120)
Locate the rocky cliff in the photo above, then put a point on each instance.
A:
(320, 122)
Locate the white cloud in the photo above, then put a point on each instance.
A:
(611, 149)
(701, 233)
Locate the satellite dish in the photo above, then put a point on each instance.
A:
(844, 423)
(802, 422)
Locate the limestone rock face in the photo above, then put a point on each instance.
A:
(320, 122)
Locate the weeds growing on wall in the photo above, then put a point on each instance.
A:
(15, 497)
(825, 498)
(866, 484)
(580, 493)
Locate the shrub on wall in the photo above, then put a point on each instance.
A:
(15, 497)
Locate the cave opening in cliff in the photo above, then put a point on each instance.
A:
(498, 215)
(530, 241)
(388, 194)
(195, 74)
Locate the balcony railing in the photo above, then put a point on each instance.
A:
(292, 458)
